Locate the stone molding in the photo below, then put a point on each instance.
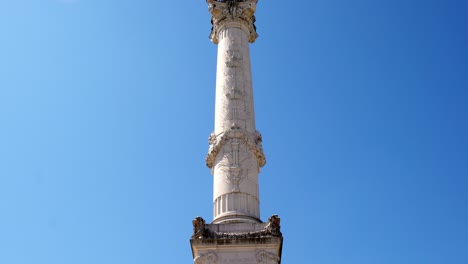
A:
(200, 231)
(237, 13)
(208, 258)
(222, 207)
(253, 141)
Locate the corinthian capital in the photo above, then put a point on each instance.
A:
(232, 13)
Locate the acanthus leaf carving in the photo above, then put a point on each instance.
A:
(237, 11)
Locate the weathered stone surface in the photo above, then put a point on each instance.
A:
(235, 155)
(242, 243)
(227, 12)
(236, 230)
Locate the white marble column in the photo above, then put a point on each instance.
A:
(235, 155)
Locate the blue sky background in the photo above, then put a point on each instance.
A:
(106, 107)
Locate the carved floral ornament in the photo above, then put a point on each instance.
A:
(254, 142)
(239, 12)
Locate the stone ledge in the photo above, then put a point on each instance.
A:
(236, 231)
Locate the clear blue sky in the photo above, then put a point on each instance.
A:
(106, 107)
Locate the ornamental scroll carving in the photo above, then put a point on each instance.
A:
(240, 12)
(253, 141)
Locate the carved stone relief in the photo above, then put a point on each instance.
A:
(198, 227)
(253, 142)
(266, 257)
(233, 58)
(208, 258)
(241, 12)
(236, 162)
(201, 232)
(233, 85)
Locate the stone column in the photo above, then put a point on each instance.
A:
(235, 155)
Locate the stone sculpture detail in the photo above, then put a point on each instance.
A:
(235, 171)
(233, 86)
(198, 227)
(209, 258)
(229, 11)
(273, 225)
(217, 142)
(200, 231)
(233, 58)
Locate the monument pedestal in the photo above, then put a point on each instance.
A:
(240, 243)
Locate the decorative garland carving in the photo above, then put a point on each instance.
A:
(238, 11)
(272, 229)
(254, 142)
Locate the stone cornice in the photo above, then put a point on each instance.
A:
(271, 229)
(232, 13)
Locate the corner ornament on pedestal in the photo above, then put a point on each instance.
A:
(240, 12)
(199, 229)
